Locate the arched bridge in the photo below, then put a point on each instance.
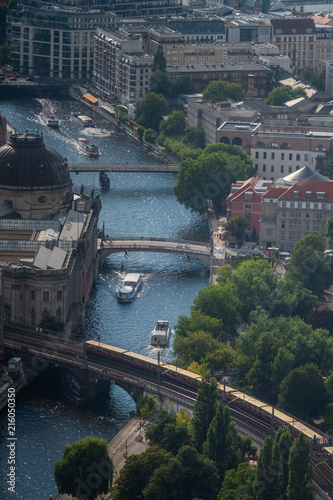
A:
(193, 249)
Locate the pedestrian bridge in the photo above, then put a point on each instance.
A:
(194, 249)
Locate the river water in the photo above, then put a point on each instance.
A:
(137, 204)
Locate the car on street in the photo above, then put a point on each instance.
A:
(12, 79)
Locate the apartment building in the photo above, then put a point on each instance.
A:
(254, 78)
(276, 154)
(324, 43)
(120, 65)
(297, 39)
(289, 213)
(250, 29)
(198, 29)
(246, 198)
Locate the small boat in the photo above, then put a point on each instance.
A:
(129, 287)
(161, 334)
(88, 147)
(50, 119)
(84, 120)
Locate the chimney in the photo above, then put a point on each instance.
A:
(250, 88)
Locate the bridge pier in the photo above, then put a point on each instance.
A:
(90, 385)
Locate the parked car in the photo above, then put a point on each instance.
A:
(29, 79)
(12, 79)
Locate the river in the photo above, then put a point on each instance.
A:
(137, 204)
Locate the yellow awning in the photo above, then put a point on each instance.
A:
(90, 98)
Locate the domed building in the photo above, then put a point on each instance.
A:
(34, 178)
(48, 238)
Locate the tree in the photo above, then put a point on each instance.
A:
(160, 83)
(183, 85)
(220, 90)
(149, 110)
(324, 164)
(308, 264)
(147, 406)
(194, 136)
(140, 131)
(150, 135)
(268, 477)
(85, 469)
(209, 177)
(311, 76)
(168, 433)
(329, 231)
(187, 476)
(236, 227)
(300, 471)
(136, 473)
(5, 55)
(218, 445)
(283, 438)
(306, 404)
(280, 95)
(238, 483)
(159, 61)
(194, 347)
(174, 125)
(204, 411)
(321, 318)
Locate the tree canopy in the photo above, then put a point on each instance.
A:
(209, 177)
(149, 110)
(85, 469)
(280, 95)
(220, 90)
(324, 164)
(159, 60)
(236, 227)
(174, 125)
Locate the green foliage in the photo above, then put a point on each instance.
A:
(194, 136)
(178, 147)
(269, 476)
(160, 83)
(238, 483)
(209, 177)
(283, 438)
(85, 470)
(168, 433)
(204, 411)
(140, 131)
(183, 85)
(308, 264)
(236, 227)
(324, 164)
(300, 471)
(51, 323)
(321, 318)
(123, 116)
(149, 110)
(280, 95)
(136, 473)
(5, 55)
(147, 406)
(150, 135)
(159, 61)
(174, 125)
(220, 90)
(313, 78)
(187, 476)
(329, 231)
(294, 399)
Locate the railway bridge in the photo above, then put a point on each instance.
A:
(190, 249)
(123, 167)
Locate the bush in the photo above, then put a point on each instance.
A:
(150, 135)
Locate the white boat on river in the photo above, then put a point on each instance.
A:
(129, 287)
(160, 336)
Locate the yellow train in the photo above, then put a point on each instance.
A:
(233, 396)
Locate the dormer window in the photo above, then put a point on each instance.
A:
(308, 194)
(320, 195)
(248, 195)
(296, 194)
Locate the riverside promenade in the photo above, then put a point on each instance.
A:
(131, 440)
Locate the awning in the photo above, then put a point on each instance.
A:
(90, 98)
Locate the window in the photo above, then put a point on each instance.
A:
(284, 204)
(272, 156)
(257, 155)
(307, 215)
(45, 314)
(260, 145)
(292, 204)
(264, 168)
(299, 204)
(283, 224)
(298, 157)
(46, 296)
(59, 295)
(308, 194)
(272, 168)
(247, 207)
(282, 156)
(33, 295)
(283, 214)
(296, 194)
(269, 232)
(290, 156)
(320, 195)
(264, 155)
(290, 169)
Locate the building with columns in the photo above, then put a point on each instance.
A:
(48, 243)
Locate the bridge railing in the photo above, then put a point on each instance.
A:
(166, 240)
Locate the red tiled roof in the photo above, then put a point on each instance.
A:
(275, 192)
(313, 186)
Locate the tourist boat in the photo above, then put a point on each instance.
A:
(160, 336)
(129, 287)
(88, 147)
(84, 120)
(50, 120)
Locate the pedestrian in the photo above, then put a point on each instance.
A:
(125, 252)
